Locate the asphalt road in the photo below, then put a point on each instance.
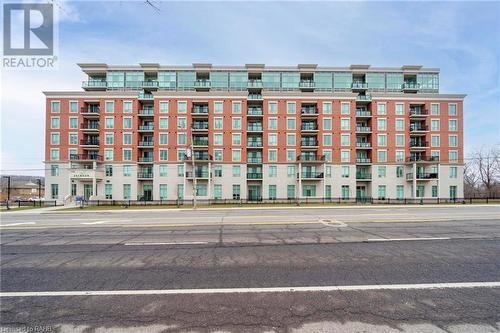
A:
(411, 269)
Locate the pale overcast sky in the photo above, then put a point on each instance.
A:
(461, 38)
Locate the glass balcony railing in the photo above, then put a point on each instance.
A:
(254, 84)
(90, 109)
(254, 159)
(146, 143)
(200, 126)
(200, 142)
(309, 110)
(410, 86)
(89, 126)
(422, 158)
(198, 174)
(359, 85)
(363, 113)
(150, 84)
(309, 127)
(363, 129)
(309, 143)
(202, 156)
(424, 175)
(311, 158)
(146, 159)
(418, 112)
(363, 175)
(146, 112)
(200, 109)
(94, 84)
(419, 144)
(254, 175)
(146, 128)
(311, 175)
(254, 128)
(145, 175)
(363, 160)
(254, 144)
(145, 96)
(307, 84)
(85, 157)
(254, 112)
(89, 142)
(363, 98)
(363, 144)
(202, 84)
(255, 96)
(418, 128)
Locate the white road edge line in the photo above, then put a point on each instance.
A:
(96, 222)
(164, 243)
(13, 224)
(252, 290)
(406, 239)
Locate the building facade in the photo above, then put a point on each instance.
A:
(252, 132)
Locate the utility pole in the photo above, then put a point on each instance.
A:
(8, 190)
(39, 181)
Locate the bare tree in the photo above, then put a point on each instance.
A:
(484, 165)
(471, 180)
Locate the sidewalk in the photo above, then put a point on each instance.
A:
(31, 211)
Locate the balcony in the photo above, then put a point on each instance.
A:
(309, 127)
(200, 142)
(306, 84)
(308, 143)
(359, 85)
(146, 112)
(201, 156)
(309, 111)
(89, 142)
(253, 111)
(255, 97)
(145, 96)
(418, 112)
(200, 110)
(418, 129)
(89, 127)
(363, 145)
(94, 84)
(146, 144)
(145, 159)
(422, 158)
(199, 126)
(146, 128)
(145, 175)
(150, 84)
(422, 176)
(363, 114)
(311, 158)
(410, 86)
(90, 111)
(363, 176)
(254, 84)
(363, 98)
(254, 175)
(311, 175)
(363, 160)
(254, 144)
(198, 174)
(416, 145)
(85, 157)
(202, 84)
(363, 129)
(254, 160)
(254, 127)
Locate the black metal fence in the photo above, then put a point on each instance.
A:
(292, 201)
(29, 203)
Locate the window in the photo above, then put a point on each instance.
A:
(452, 141)
(163, 139)
(308, 190)
(54, 122)
(452, 109)
(290, 171)
(435, 125)
(109, 138)
(273, 124)
(344, 169)
(272, 192)
(217, 154)
(435, 154)
(345, 192)
(109, 107)
(345, 108)
(163, 191)
(180, 191)
(400, 140)
(327, 107)
(127, 191)
(272, 155)
(54, 191)
(345, 124)
(400, 155)
(381, 124)
(127, 154)
(273, 107)
(273, 171)
(127, 170)
(163, 123)
(453, 192)
(400, 192)
(382, 140)
(181, 138)
(236, 108)
(381, 171)
(236, 123)
(435, 109)
(55, 106)
(236, 192)
(327, 139)
(110, 122)
(202, 190)
(108, 170)
(236, 138)
(290, 139)
(290, 155)
(381, 192)
(54, 154)
(236, 155)
(218, 107)
(328, 171)
(236, 171)
(218, 170)
(127, 107)
(399, 171)
(218, 123)
(400, 109)
(272, 139)
(290, 191)
(54, 170)
(290, 108)
(163, 107)
(434, 190)
(453, 172)
(218, 191)
(453, 156)
(55, 139)
(400, 124)
(435, 141)
(73, 106)
(344, 155)
(127, 138)
(73, 122)
(180, 170)
(181, 107)
(163, 170)
(328, 191)
(181, 123)
(327, 124)
(381, 156)
(72, 152)
(163, 154)
(218, 139)
(452, 125)
(108, 191)
(290, 123)
(381, 108)
(127, 122)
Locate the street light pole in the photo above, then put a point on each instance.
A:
(8, 190)
(39, 181)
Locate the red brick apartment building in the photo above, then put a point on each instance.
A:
(254, 132)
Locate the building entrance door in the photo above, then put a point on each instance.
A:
(147, 192)
(254, 193)
(361, 193)
(87, 191)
